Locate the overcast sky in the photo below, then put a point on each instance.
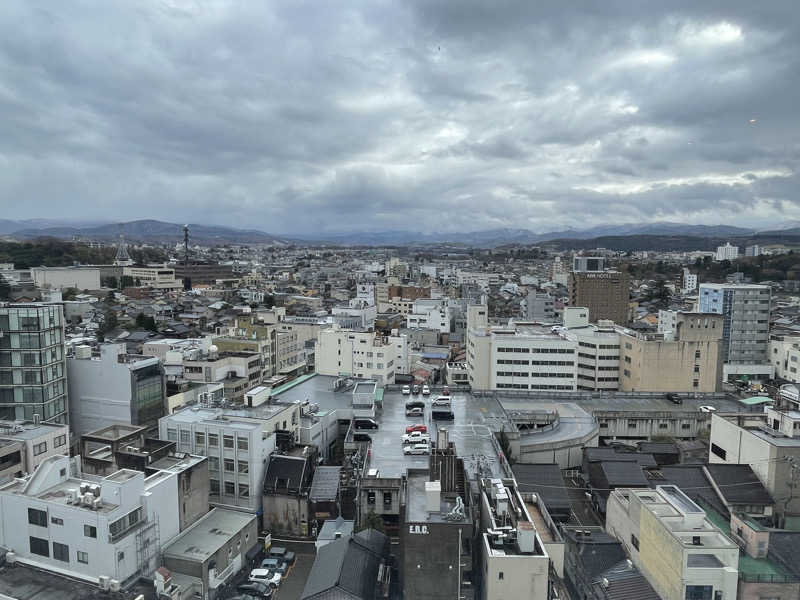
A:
(298, 117)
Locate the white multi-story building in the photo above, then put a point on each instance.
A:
(366, 293)
(667, 321)
(597, 356)
(430, 314)
(688, 281)
(672, 542)
(237, 443)
(484, 280)
(753, 250)
(34, 442)
(362, 354)
(81, 278)
(784, 355)
(727, 252)
(89, 527)
(160, 277)
(520, 356)
(358, 314)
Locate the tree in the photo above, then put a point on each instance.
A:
(126, 281)
(110, 282)
(145, 322)
(110, 321)
(373, 521)
(110, 298)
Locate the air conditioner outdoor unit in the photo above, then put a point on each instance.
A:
(103, 581)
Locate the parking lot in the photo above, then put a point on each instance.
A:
(292, 585)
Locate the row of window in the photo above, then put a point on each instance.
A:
(230, 488)
(534, 386)
(39, 518)
(633, 425)
(201, 437)
(41, 547)
(538, 350)
(601, 346)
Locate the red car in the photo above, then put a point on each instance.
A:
(445, 391)
(420, 428)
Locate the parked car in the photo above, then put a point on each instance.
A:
(441, 401)
(361, 437)
(415, 389)
(288, 558)
(406, 390)
(420, 428)
(257, 588)
(277, 552)
(271, 564)
(674, 398)
(265, 576)
(426, 391)
(417, 449)
(707, 409)
(365, 424)
(416, 437)
(416, 411)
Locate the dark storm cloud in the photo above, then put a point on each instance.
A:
(307, 116)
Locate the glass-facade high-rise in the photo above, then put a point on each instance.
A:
(32, 363)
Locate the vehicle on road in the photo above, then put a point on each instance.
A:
(415, 389)
(426, 391)
(441, 401)
(674, 398)
(417, 449)
(708, 409)
(365, 423)
(266, 575)
(420, 428)
(406, 390)
(361, 437)
(416, 411)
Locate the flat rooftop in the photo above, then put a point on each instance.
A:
(25, 583)
(208, 535)
(27, 430)
(416, 503)
(176, 463)
(228, 417)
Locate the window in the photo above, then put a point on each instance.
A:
(387, 498)
(37, 517)
(83, 557)
(213, 463)
(718, 452)
(227, 441)
(241, 443)
(56, 521)
(185, 436)
(634, 541)
(371, 498)
(200, 438)
(244, 490)
(61, 552)
(500, 575)
(213, 439)
(686, 425)
(214, 486)
(172, 435)
(244, 466)
(696, 383)
(229, 465)
(631, 424)
(90, 531)
(59, 441)
(230, 488)
(39, 448)
(40, 547)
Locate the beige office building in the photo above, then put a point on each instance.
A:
(688, 359)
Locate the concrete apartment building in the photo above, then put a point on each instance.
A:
(114, 388)
(539, 307)
(605, 293)
(88, 527)
(687, 359)
(362, 354)
(24, 445)
(672, 542)
(726, 252)
(33, 372)
(745, 335)
(770, 443)
(238, 371)
(81, 278)
(597, 355)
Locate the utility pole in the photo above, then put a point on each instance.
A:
(187, 281)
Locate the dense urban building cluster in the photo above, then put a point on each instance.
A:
(430, 422)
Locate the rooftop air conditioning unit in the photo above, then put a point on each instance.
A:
(96, 503)
(88, 498)
(103, 581)
(114, 585)
(72, 496)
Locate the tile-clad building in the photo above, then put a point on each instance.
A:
(605, 293)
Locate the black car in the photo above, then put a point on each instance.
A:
(361, 437)
(674, 398)
(365, 424)
(255, 588)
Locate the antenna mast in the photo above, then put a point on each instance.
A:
(187, 281)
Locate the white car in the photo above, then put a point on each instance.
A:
(417, 449)
(266, 576)
(416, 437)
(406, 390)
(426, 391)
(707, 409)
(415, 412)
(441, 401)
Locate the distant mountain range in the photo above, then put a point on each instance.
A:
(146, 230)
(500, 237)
(149, 230)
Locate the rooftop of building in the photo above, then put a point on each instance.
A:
(206, 536)
(417, 502)
(22, 582)
(114, 433)
(28, 430)
(176, 463)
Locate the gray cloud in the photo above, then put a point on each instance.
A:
(305, 117)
